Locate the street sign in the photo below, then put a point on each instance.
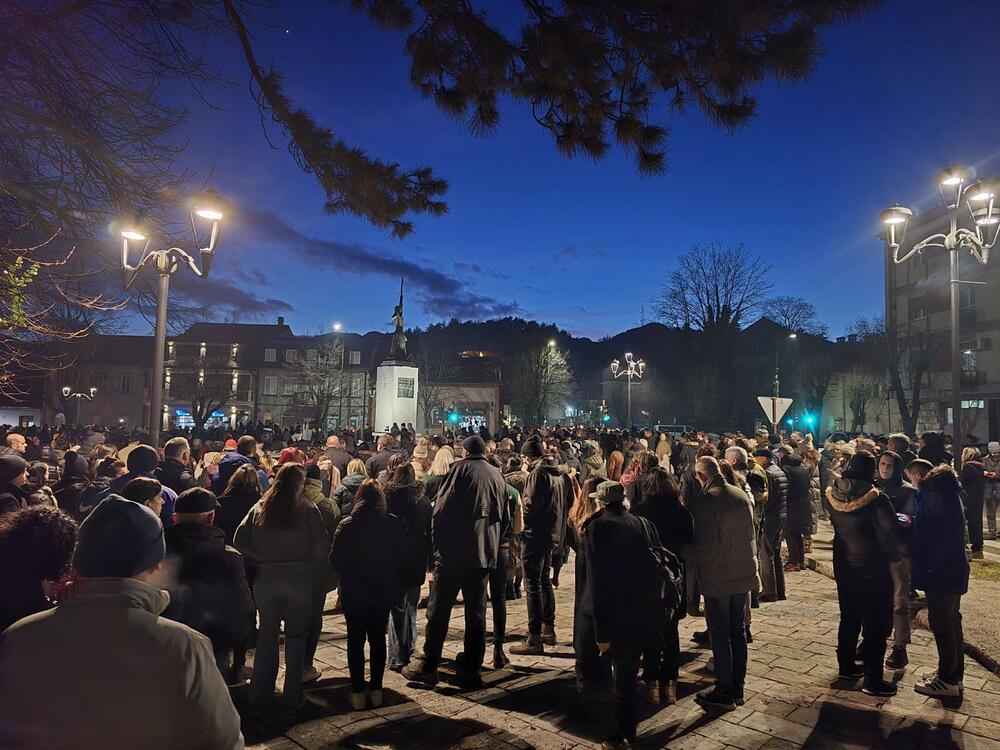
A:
(774, 408)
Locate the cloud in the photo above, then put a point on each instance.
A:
(217, 293)
(250, 276)
(466, 267)
(579, 251)
(438, 293)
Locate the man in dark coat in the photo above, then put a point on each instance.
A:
(798, 518)
(13, 477)
(465, 528)
(143, 462)
(865, 544)
(932, 448)
(173, 471)
(772, 575)
(617, 557)
(379, 461)
(337, 455)
(208, 584)
(546, 500)
(246, 446)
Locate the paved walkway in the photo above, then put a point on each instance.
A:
(793, 697)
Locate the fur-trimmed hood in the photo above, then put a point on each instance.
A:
(844, 495)
(941, 479)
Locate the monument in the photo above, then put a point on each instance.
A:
(396, 379)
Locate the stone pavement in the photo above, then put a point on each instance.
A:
(793, 696)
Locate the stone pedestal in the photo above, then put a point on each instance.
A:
(396, 385)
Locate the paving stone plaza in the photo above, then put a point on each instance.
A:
(793, 696)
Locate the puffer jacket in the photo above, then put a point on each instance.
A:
(865, 528)
(937, 551)
(546, 501)
(777, 496)
(343, 496)
(798, 515)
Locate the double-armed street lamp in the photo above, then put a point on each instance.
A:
(166, 261)
(68, 392)
(634, 368)
(960, 189)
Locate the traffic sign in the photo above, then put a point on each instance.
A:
(774, 408)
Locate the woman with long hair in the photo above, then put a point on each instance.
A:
(440, 467)
(589, 670)
(405, 499)
(661, 505)
(344, 494)
(241, 494)
(284, 538)
(615, 465)
(366, 555)
(642, 463)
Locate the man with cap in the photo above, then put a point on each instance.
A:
(13, 478)
(465, 527)
(207, 581)
(772, 572)
(546, 501)
(866, 543)
(142, 462)
(114, 673)
(616, 548)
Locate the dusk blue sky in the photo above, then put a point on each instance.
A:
(900, 93)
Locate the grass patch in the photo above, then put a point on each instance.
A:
(985, 571)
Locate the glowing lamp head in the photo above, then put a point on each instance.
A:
(980, 191)
(65, 390)
(895, 219)
(209, 213)
(954, 175)
(615, 365)
(93, 391)
(131, 234)
(552, 343)
(337, 327)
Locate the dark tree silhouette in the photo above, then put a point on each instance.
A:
(795, 314)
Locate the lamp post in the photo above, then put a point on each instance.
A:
(68, 392)
(634, 368)
(166, 261)
(339, 336)
(777, 350)
(957, 185)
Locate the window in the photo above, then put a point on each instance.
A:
(125, 386)
(974, 404)
(970, 357)
(270, 384)
(291, 355)
(270, 355)
(288, 386)
(100, 380)
(354, 358)
(985, 344)
(918, 313)
(310, 355)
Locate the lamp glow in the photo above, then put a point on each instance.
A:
(131, 234)
(209, 213)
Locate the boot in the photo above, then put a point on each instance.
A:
(419, 671)
(376, 698)
(531, 646)
(668, 693)
(500, 659)
(357, 701)
(548, 635)
(897, 658)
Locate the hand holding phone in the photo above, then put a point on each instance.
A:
(904, 520)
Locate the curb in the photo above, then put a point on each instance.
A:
(920, 618)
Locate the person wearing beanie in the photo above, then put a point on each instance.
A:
(546, 501)
(866, 543)
(143, 462)
(207, 581)
(468, 514)
(72, 485)
(13, 478)
(932, 447)
(626, 614)
(991, 497)
(159, 685)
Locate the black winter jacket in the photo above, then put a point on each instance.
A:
(175, 475)
(408, 503)
(776, 507)
(366, 555)
(468, 514)
(798, 514)
(865, 527)
(233, 509)
(546, 500)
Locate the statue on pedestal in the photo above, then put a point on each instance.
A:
(398, 348)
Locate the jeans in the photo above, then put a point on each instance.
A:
(281, 596)
(624, 667)
(726, 620)
(992, 501)
(498, 598)
(403, 626)
(796, 549)
(447, 584)
(945, 619)
(365, 621)
(900, 601)
(538, 592)
(865, 601)
(317, 602)
(772, 573)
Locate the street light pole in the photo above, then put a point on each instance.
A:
(633, 369)
(79, 396)
(956, 184)
(166, 261)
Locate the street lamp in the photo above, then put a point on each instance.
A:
(777, 350)
(166, 261)
(957, 186)
(633, 369)
(68, 392)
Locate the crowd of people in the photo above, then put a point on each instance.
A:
(152, 571)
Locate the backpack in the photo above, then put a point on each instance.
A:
(667, 574)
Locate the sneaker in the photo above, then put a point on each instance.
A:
(376, 698)
(311, 674)
(897, 658)
(419, 671)
(548, 635)
(935, 687)
(532, 646)
(716, 698)
(555, 582)
(878, 687)
(701, 637)
(357, 701)
(739, 697)
(856, 673)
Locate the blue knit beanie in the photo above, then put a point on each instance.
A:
(119, 539)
